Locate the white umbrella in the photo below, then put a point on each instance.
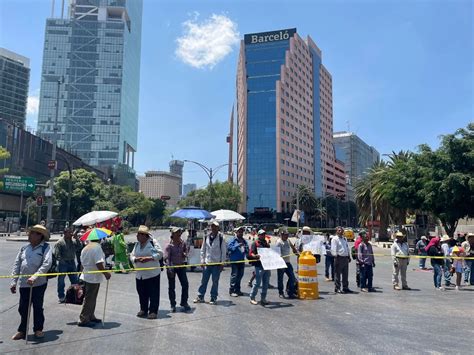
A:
(94, 217)
(227, 215)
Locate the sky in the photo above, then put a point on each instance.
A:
(402, 70)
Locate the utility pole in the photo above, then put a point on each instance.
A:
(49, 215)
(371, 210)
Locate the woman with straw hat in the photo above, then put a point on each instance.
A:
(33, 259)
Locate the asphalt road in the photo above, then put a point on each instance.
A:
(423, 320)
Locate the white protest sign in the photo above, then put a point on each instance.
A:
(316, 245)
(271, 259)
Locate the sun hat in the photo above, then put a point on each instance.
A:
(142, 229)
(38, 228)
(424, 237)
(283, 230)
(445, 238)
(176, 229)
(307, 229)
(261, 231)
(214, 223)
(236, 229)
(399, 234)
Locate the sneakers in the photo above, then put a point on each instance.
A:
(213, 301)
(152, 316)
(252, 301)
(62, 300)
(173, 309)
(18, 336)
(327, 279)
(234, 294)
(141, 314)
(364, 290)
(264, 302)
(186, 308)
(456, 288)
(198, 300)
(441, 288)
(396, 287)
(39, 334)
(281, 295)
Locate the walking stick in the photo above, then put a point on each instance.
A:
(28, 316)
(105, 302)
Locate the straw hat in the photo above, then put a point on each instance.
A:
(144, 229)
(38, 228)
(445, 238)
(236, 229)
(399, 234)
(307, 229)
(261, 231)
(176, 229)
(214, 223)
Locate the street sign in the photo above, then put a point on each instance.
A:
(52, 164)
(164, 197)
(39, 201)
(19, 183)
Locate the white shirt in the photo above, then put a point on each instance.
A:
(445, 249)
(154, 250)
(399, 250)
(339, 246)
(91, 255)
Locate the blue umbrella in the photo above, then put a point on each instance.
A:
(192, 213)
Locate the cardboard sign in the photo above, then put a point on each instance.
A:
(271, 259)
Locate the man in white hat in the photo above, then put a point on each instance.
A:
(468, 247)
(400, 257)
(213, 255)
(446, 243)
(262, 276)
(33, 259)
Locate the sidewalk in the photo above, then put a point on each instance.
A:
(23, 237)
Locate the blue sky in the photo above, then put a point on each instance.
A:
(402, 70)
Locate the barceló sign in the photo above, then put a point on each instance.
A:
(264, 37)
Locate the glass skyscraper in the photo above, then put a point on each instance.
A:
(14, 83)
(284, 126)
(93, 56)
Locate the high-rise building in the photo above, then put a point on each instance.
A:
(284, 110)
(14, 83)
(176, 167)
(93, 58)
(357, 156)
(158, 184)
(187, 188)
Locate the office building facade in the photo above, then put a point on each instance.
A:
(187, 188)
(284, 122)
(14, 83)
(176, 168)
(93, 58)
(157, 184)
(357, 156)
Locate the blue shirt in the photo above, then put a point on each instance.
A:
(238, 252)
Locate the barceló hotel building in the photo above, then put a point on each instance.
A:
(285, 122)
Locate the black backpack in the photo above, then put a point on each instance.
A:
(75, 294)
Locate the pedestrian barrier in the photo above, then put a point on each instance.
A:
(308, 288)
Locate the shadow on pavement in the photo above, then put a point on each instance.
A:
(49, 335)
(224, 303)
(276, 305)
(108, 325)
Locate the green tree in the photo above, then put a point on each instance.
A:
(219, 195)
(4, 154)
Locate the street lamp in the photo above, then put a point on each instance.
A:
(68, 208)
(210, 172)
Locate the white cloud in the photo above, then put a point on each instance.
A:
(33, 104)
(204, 44)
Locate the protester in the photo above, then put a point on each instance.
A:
(435, 253)
(92, 259)
(468, 247)
(354, 250)
(340, 251)
(176, 253)
(238, 249)
(65, 253)
(33, 259)
(147, 254)
(445, 247)
(286, 248)
(307, 231)
(261, 276)
(458, 264)
(365, 257)
(213, 250)
(78, 233)
(120, 251)
(420, 250)
(329, 264)
(400, 256)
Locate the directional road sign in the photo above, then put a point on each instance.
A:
(19, 183)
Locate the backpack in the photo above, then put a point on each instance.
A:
(54, 264)
(75, 294)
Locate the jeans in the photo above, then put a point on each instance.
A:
(149, 294)
(329, 265)
(183, 280)
(261, 277)
(66, 266)
(291, 280)
(215, 272)
(37, 298)
(447, 272)
(469, 272)
(422, 261)
(437, 274)
(236, 277)
(366, 276)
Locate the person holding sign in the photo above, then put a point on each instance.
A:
(285, 250)
(261, 276)
(306, 238)
(237, 249)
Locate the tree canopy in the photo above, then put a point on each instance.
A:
(219, 195)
